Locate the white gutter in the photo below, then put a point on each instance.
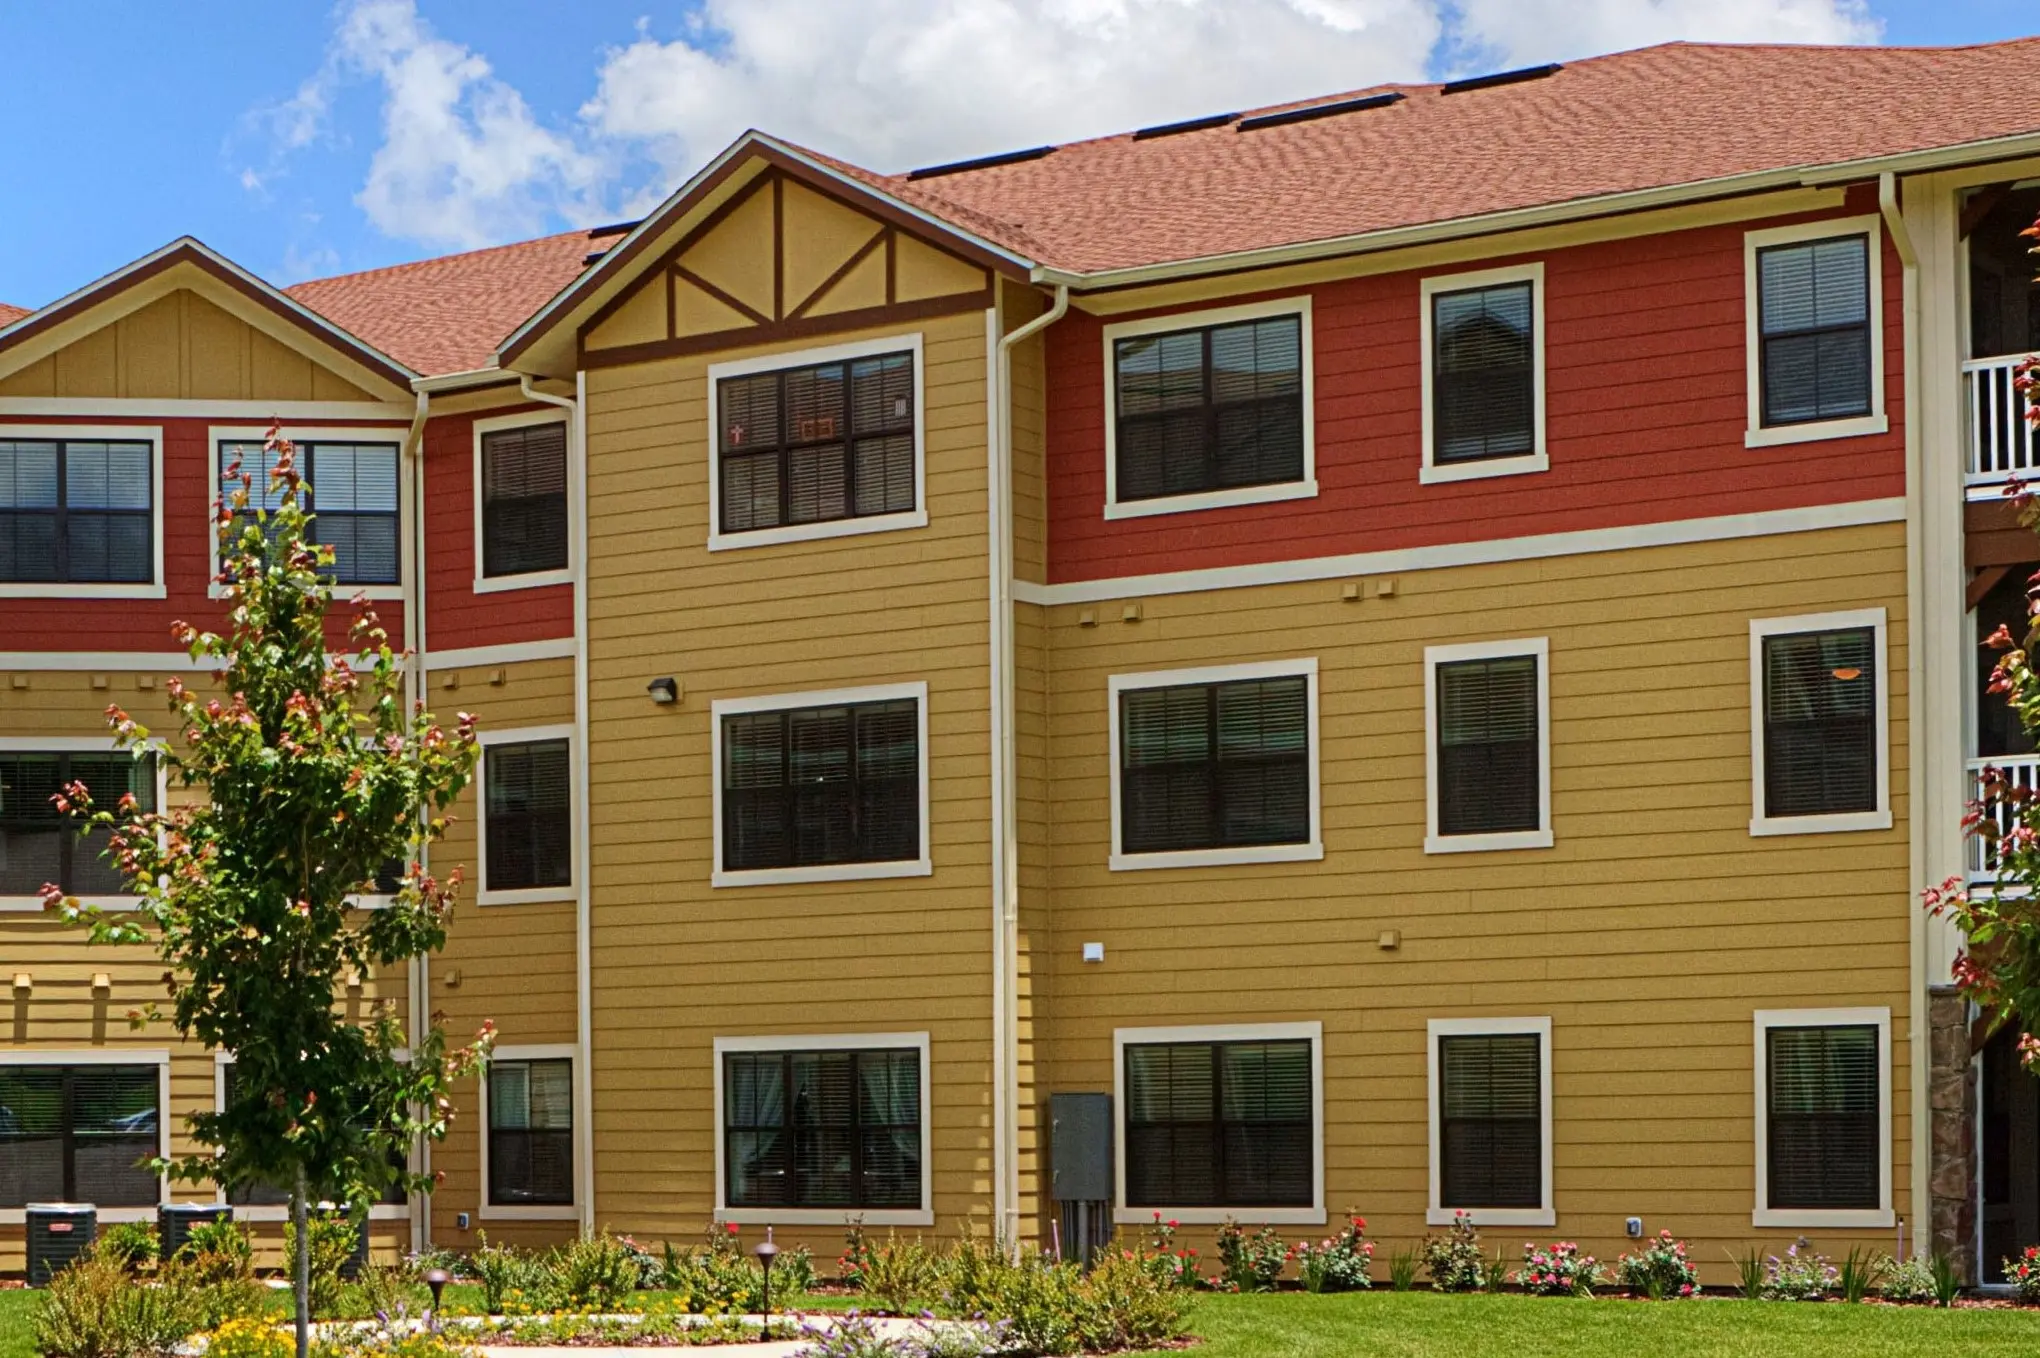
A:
(577, 514)
(1005, 791)
(420, 1005)
(1919, 1038)
(463, 381)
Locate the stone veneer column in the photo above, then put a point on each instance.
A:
(1952, 1099)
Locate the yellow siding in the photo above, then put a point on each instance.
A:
(1030, 438)
(820, 235)
(923, 271)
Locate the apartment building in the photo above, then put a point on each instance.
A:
(1419, 640)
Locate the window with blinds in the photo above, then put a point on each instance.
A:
(1483, 374)
(815, 785)
(1490, 752)
(1212, 408)
(1490, 1121)
(77, 511)
(823, 1128)
(1220, 1124)
(1211, 766)
(40, 844)
(354, 500)
(531, 1133)
(1820, 722)
(817, 443)
(1824, 1117)
(526, 792)
(79, 1134)
(1813, 310)
(257, 1193)
(524, 500)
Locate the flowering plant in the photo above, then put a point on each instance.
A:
(1558, 1270)
(2023, 1273)
(1799, 1275)
(1248, 1263)
(1660, 1270)
(1179, 1266)
(1455, 1262)
(1338, 1263)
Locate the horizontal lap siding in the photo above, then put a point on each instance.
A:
(678, 963)
(1645, 395)
(456, 615)
(1649, 933)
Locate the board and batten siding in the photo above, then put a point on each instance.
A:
(678, 962)
(1649, 933)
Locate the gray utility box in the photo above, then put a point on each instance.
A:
(174, 1221)
(58, 1232)
(1080, 1147)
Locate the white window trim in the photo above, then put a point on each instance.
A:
(821, 872)
(917, 517)
(1880, 1216)
(1314, 1032)
(924, 1215)
(25, 905)
(1879, 819)
(1757, 434)
(488, 1211)
(217, 434)
(379, 1211)
(1538, 459)
(1304, 489)
(155, 588)
(159, 1057)
(1434, 656)
(495, 424)
(521, 735)
(1308, 851)
(1435, 1213)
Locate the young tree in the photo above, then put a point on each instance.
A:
(312, 774)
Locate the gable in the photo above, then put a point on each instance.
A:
(780, 259)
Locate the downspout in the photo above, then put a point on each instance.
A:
(1005, 792)
(577, 562)
(1918, 1039)
(420, 1006)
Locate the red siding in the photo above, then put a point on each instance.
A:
(1644, 386)
(457, 617)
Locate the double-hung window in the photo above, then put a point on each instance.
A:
(1819, 723)
(261, 1194)
(522, 504)
(531, 1132)
(816, 786)
(77, 511)
(1483, 385)
(355, 500)
(79, 1131)
(1823, 1117)
(819, 444)
(1491, 1120)
(1215, 765)
(1488, 713)
(527, 815)
(40, 844)
(1219, 1122)
(1209, 409)
(819, 1128)
(1814, 313)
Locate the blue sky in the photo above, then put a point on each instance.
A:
(303, 140)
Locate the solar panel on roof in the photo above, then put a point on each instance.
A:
(1187, 125)
(1482, 82)
(981, 163)
(1309, 111)
(613, 229)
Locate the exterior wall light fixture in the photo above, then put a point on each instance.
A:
(664, 691)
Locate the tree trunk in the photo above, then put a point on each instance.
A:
(301, 1285)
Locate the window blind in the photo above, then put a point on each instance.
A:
(531, 1133)
(1820, 722)
(530, 821)
(1489, 747)
(823, 1128)
(1814, 314)
(40, 844)
(1206, 766)
(524, 500)
(1483, 374)
(259, 1193)
(1209, 409)
(354, 501)
(1219, 1124)
(1824, 1116)
(78, 1134)
(808, 786)
(1490, 1121)
(817, 443)
(77, 511)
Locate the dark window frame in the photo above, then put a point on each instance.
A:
(1306, 760)
(1438, 465)
(499, 1140)
(1438, 662)
(1216, 1126)
(69, 844)
(68, 1135)
(492, 511)
(880, 849)
(61, 512)
(854, 1133)
(308, 465)
(504, 827)
(1870, 326)
(1870, 1133)
(1773, 733)
(254, 1193)
(1443, 1122)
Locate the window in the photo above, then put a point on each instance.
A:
(79, 1132)
(1209, 408)
(1483, 337)
(523, 498)
(1218, 1121)
(77, 511)
(1215, 765)
(40, 844)
(1819, 726)
(1813, 320)
(355, 498)
(818, 444)
(826, 785)
(261, 1194)
(1488, 714)
(531, 1133)
(1491, 1120)
(527, 816)
(838, 1129)
(1823, 1117)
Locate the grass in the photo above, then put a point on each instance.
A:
(17, 1304)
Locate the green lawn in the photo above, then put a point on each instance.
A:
(16, 1305)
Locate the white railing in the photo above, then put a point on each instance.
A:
(2002, 443)
(2022, 771)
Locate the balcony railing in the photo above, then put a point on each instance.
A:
(2002, 445)
(2022, 770)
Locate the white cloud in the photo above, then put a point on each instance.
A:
(1521, 32)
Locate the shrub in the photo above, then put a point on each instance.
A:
(1659, 1270)
(1341, 1263)
(898, 1274)
(1907, 1280)
(510, 1278)
(217, 1251)
(593, 1274)
(1180, 1263)
(333, 1238)
(1402, 1269)
(246, 1337)
(1454, 1261)
(1798, 1275)
(2023, 1273)
(1249, 1263)
(390, 1291)
(130, 1244)
(854, 1335)
(93, 1309)
(1126, 1302)
(1559, 1270)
